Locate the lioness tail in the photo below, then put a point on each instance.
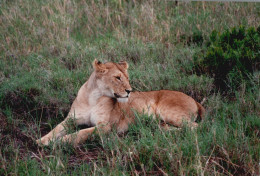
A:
(201, 111)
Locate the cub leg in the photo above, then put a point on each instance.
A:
(82, 135)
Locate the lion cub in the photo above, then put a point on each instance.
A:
(106, 100)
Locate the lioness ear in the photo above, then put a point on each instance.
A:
(123, 64)
(99, 66)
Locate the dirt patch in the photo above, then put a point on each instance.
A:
(24, 103)
(20, 102)
(12, 137)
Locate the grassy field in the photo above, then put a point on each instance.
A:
(46, 51)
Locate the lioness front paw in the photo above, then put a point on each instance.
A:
(41, 142)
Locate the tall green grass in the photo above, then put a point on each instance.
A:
(46, 51)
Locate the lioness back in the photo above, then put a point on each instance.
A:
(172, 106)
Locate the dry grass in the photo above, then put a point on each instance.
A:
(46, 49)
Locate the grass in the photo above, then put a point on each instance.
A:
(46, 51)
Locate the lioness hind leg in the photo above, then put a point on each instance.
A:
(177, 117)
(167, 127)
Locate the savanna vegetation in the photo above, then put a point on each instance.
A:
(204, 49)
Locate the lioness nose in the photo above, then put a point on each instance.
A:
(128, 91)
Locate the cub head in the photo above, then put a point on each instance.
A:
(112, 79)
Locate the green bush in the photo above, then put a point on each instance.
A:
(230, 57)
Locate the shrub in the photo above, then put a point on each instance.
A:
(230, 57)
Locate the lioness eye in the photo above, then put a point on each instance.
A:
(118, 77)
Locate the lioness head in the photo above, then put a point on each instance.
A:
(112, 79)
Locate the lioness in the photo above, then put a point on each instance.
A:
(106, 100)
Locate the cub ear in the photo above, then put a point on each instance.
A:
(99, 66)
(124, 64)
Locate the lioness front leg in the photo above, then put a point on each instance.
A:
(82, 135)
(60, 129)
(57, 132)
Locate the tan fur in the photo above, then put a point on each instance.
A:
(97, 105)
